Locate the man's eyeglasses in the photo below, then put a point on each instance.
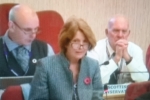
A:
(28, 31)
(124, 32)
(78, 46)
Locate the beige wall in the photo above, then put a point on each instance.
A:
(97, 13)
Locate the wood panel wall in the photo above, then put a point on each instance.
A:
(98, 12)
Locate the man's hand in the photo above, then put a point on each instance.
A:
(118, 53)
(121, 51)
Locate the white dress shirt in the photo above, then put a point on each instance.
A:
(136, 65)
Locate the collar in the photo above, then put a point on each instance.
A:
(11, 45)
(66, 61)
(110, 50)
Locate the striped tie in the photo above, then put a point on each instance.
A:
(22, 56)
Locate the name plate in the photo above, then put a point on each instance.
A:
(117, 89)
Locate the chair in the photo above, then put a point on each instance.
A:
(4, 9)
(13, 93)
(134, 90)
(148, 59)
(50, 24)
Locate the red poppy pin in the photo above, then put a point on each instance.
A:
(87, 80)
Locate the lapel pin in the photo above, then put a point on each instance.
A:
(87, 80)
(34, 61)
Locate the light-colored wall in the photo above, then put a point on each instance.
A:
(98, 12)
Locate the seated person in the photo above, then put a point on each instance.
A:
(69, 75)
(120, 60)
(19, 49)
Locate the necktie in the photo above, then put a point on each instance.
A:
(22, 56)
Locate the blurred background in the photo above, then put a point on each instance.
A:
(98, 12)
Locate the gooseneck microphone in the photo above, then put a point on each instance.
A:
(105, 63)
(105, 90)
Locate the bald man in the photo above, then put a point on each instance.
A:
(120, 61)
(23, 28)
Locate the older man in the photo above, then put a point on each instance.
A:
(120, 61)
(19, 49)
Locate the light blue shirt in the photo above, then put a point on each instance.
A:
(11, 45)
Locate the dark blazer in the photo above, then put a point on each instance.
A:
(53, 80)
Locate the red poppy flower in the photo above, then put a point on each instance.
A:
(87, 80)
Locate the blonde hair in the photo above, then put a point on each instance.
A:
(70, 29)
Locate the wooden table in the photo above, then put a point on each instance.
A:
(114, 97)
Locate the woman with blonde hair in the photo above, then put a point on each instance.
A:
(69, 75)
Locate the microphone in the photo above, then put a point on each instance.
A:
(105, 63)
(105, 88)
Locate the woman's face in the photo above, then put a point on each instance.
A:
(77, 47)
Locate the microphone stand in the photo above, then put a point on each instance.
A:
(106, 90)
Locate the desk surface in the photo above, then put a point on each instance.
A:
(114, 97)
(1, 91)
(9, 81)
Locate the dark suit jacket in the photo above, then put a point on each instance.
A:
(54, 81)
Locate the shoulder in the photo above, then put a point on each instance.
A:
(51, 63)
(98, 50)
(102, 41)
(133, 46)
(90, 61)
(86, 58)
(42, 43)
(39, 42)
(101, 44)
(50, 60)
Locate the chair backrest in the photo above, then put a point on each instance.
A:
(4, 11)
(134, 90)
(50, 24)
(148, 58)
(13, 93)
